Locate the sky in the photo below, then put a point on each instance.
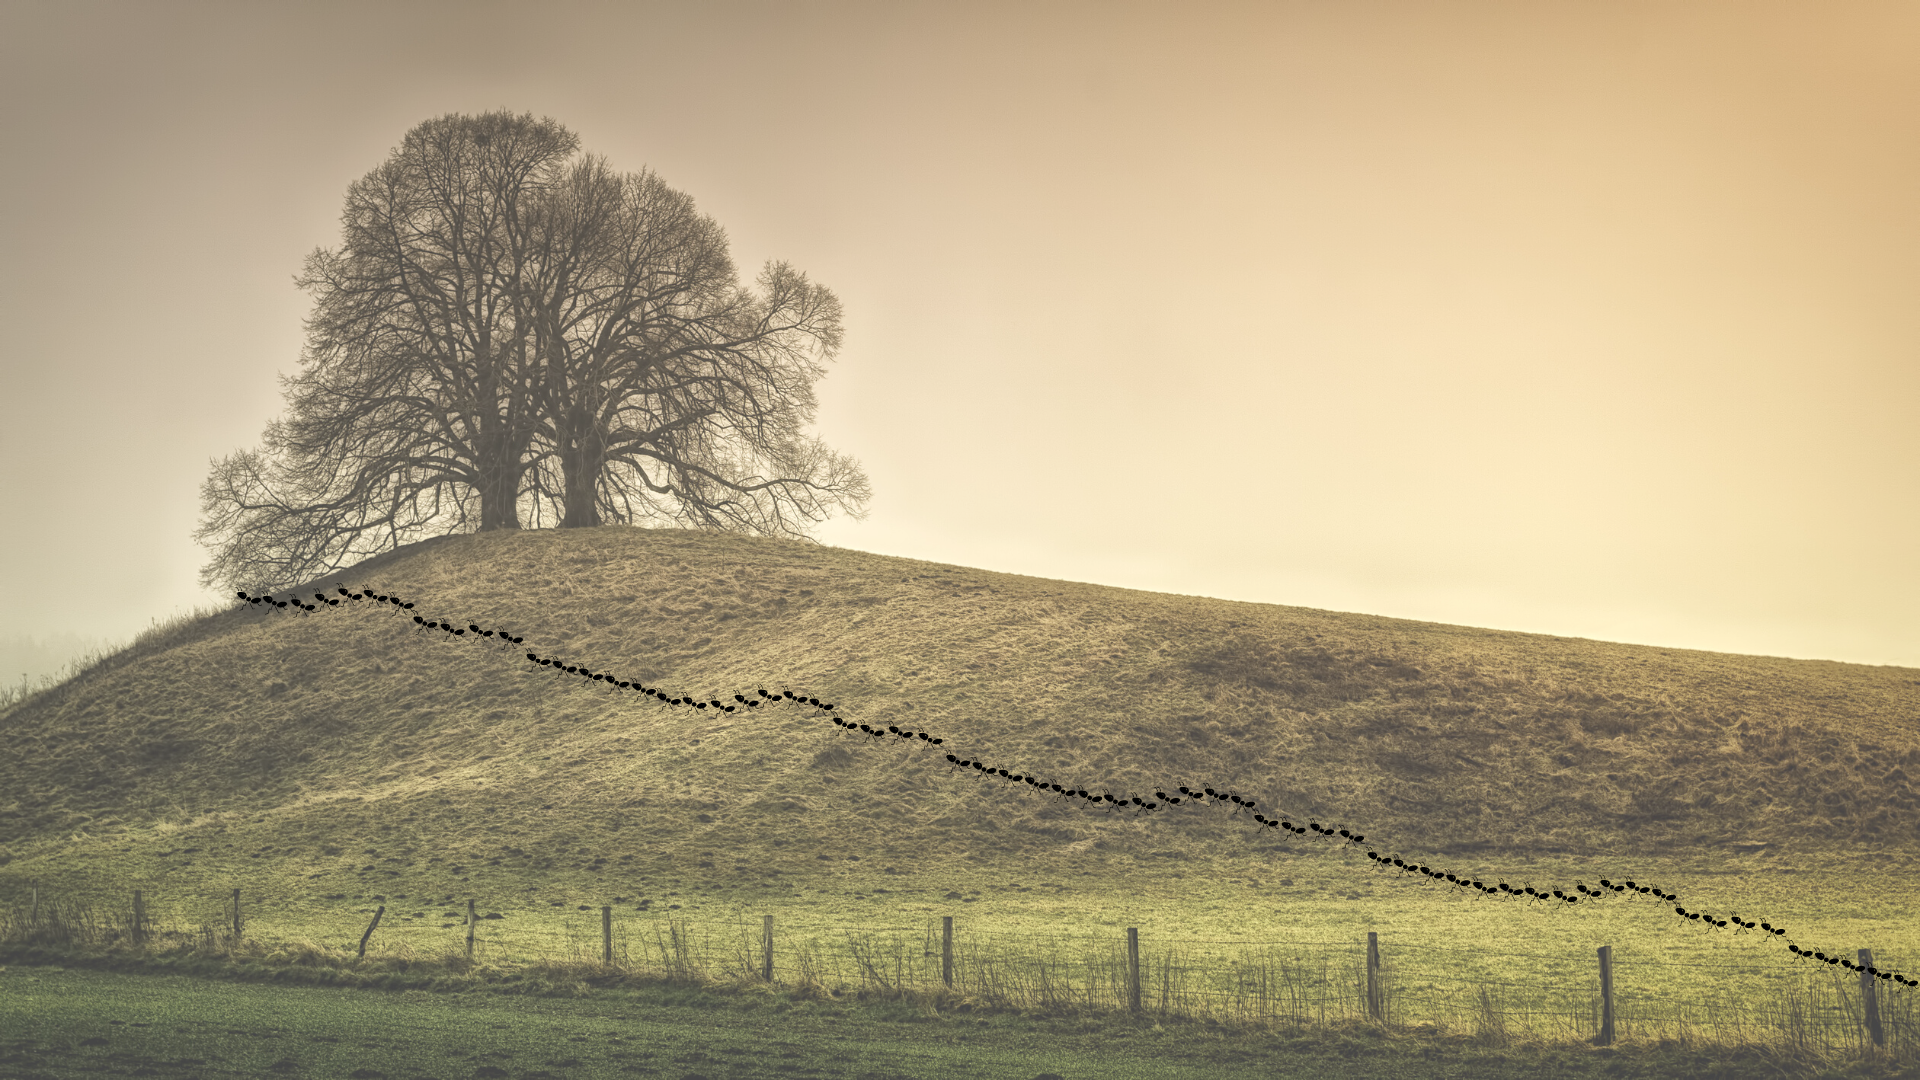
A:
(1599, 320)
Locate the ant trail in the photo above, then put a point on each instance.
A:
(1232, 804)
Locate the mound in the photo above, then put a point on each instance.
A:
(349, 747)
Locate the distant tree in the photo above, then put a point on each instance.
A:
(509, 332)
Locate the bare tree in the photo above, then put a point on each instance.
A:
(669, 392)
(509, 328)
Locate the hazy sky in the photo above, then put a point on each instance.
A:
(1593, 319)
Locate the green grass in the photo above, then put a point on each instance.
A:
(1796, 1017)
(330, 763)
(76, 1022)
(573, 1020)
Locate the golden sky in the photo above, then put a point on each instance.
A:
(1590, 319)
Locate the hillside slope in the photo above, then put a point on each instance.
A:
(295, 744)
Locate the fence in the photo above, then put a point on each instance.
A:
(1817, 1011)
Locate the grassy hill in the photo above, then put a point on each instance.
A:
(348, 748)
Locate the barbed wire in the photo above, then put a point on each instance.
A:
(688, 948)
(748, 926)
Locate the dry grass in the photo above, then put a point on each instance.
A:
(156, 638)
(1444, 739)
(347, 755)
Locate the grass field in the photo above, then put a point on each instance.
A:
(332, 763)
(226, 1012)
(1229, 950)
(73, 1022)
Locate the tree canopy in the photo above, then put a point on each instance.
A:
(511, 334)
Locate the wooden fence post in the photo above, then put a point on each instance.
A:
(946, 949)
(1869, 998)
(470, 921)
(139, 917)
(379, 911)
(1605, 1038)
(1373, 970)
(1133, 969)
(766, 949)
(236, 914)
(606, 935)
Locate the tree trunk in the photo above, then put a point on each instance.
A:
(580, 466)
(500, 492)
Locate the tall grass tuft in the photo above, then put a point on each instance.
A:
(163, 634)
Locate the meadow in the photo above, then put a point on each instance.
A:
(73, 1022)
(330, 764)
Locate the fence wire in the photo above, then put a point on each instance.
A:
(1266, 981)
